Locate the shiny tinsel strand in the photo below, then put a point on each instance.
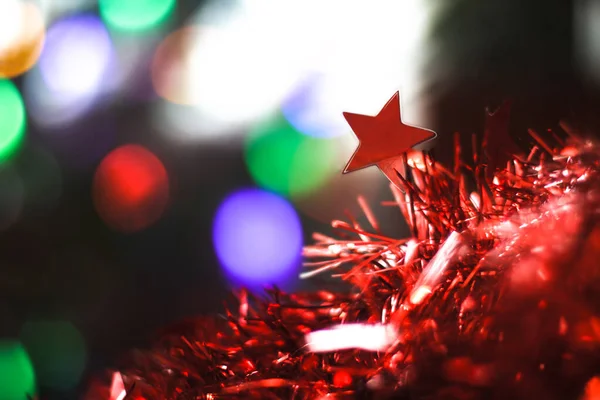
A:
(495, 294)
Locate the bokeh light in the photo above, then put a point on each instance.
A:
(130, 189)
(361, 68)
(12, 119)
(17, 377)
(58, 352)
(76, 67)
(171, 65)
(49, 109)
(316, 107)
(76, 56)
(22, 32)
(281, 159)
(257, 237)
(135, 15)
(251, 54)
(10, 22)
(247, 57)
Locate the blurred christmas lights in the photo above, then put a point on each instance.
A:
(213, 78)
(22, 32)
(74, 70)
(316, 107)
(258, 238)
(586, 35)
(236, 63)
(17, 377)
(12, 119)
(130, 189)
(171, 64)
(135, 16)
(244, 62)
(359, 67)
(58, 352)
(281, 159)
(77, 55)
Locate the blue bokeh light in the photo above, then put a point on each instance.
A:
(258, 238)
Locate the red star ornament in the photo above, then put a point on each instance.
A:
(383, 139)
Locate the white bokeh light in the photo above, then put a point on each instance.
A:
(364, 68)
(75, 69)
(247, 59)
(77, 55)
(242, 70)
(311, 58)
(49, 108)
(11, 21)
(237, 66)
(250, 57)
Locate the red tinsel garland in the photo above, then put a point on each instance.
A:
(495, 295)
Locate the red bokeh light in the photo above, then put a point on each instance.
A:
(342, 379)
(131, 188)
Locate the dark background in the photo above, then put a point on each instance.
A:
(134, 284)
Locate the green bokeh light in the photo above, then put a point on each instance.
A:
(135, 15)
(58, 352)
(17, 378)
(12, 119)
(281, 159)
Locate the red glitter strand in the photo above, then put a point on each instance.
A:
(495, 295)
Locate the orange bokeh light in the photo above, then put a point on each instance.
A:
(130, 189)
(22, 51)
(592, 389)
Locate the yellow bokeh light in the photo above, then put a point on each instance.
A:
(22, 31)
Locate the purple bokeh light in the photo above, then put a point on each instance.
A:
(75, 70)
(257, 236)
(77, 54)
